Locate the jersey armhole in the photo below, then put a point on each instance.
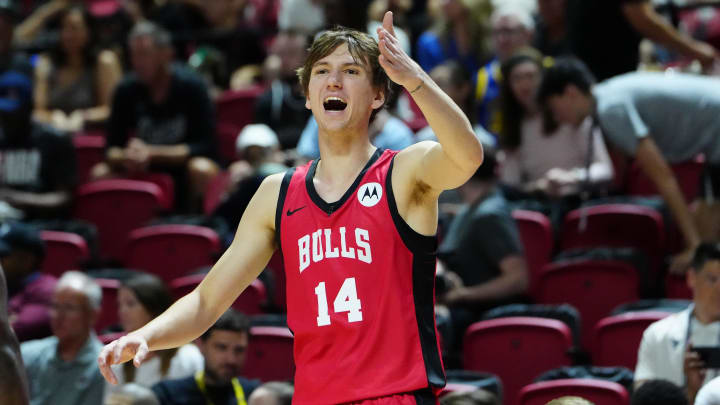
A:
(415, 242)
(281, 203)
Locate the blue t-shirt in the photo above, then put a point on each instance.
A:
(431, 51)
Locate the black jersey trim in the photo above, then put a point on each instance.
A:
(329, 208)
(425, 397)
(416, 242)
(423, 297)
(281, 203)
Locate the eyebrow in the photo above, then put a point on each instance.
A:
(343, 65)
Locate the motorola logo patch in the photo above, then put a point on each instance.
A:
(369, 194)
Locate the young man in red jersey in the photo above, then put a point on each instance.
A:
(356, 229)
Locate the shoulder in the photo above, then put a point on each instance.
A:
(187, 78)
(128, 84)
(668, 327)
(34, 350)
(107, 59)
(248, 385)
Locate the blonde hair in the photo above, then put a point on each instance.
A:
(570, 401)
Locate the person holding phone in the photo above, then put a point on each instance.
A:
(684, 348)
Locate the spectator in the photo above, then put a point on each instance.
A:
(306, 16)
(376, 10)
(224, 347)
(61, 368)
(74, 83)
(477, 397)
(132, 394)
(458, 34)
(606, 34)
(666, 347)
(659, 392)
(512, 28)
(709, 394)
(162, 119)
(21, 254)
(561, 170)
(481, 272)
(282, 106)
(140, 299)
(37, 164)
(652, 117)
(272, 393)
(551, 28)
(9, 58)
(570, 401)
(13, 380)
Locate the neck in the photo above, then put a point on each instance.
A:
(342, 157)
(69, 348)
(212, 380)
(703, 316)
(75, 60)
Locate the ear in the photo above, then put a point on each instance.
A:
(307, 102)
(691, 278)
(379, 99)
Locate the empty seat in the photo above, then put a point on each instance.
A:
(617, 338)
(171, 251)
(596, 391)
(537, 239)
(235, 109)
(594, 288)
(214, 191)
(89, 151)
(63, 251)
(516, 349)
(676, 287)
(270, 354)
(116, 207)
(250, 301)
(109, 307)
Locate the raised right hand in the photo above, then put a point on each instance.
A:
(119, 351)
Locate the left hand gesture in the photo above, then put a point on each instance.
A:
(399, 67)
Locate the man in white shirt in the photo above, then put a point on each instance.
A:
(666, 347)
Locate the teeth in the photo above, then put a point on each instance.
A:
(334, 98)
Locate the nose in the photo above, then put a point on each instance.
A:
(334, 80)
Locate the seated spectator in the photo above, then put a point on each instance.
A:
(282, 106)
(162, 119)
(21, 254)
(570, 401)
(512, 28)
(659, 392)
(481, 272)
(13, 380)
(655, 118)
(709, 394)
(132, 394)
(458, 34)
(666, 347)
(61, 369)
(140, 299)
(224, 347)
(477, 397)
(73, 82)
(376, 11)
(561, 170)
(272, 393)
(37, 164)
(550, 36)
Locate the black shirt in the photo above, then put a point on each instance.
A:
(185, 391)
(283, 110)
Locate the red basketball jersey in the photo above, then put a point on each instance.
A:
(360, 290)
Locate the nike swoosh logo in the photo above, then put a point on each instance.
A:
(290, 212)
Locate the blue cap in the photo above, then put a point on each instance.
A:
(19, 236)
(16, 90)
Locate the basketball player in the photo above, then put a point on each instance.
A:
(356, 229)
(13, 380)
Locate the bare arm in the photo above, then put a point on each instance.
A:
(643, 17)
(13, 380)
(41, 90)
(193, 314)
(175, 155)
(108, 75)
(26, 200)
(28, 29)
(513, 280)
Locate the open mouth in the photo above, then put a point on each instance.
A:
(334, 104)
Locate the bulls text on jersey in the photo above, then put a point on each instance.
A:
(319, 246)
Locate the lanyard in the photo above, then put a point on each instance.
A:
(239, 393)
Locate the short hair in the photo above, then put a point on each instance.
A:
(160, 37)
(565, 71)
(514, 10)
(232, 321)
(363, 48)
(477, 397)
(488, 169)
(705, 253)
(152, 293)
(570, 401)
(659, 392)
(283, 391)
(83, 283)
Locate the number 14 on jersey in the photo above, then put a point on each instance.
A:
(346, 300)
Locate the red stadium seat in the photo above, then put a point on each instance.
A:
(277, 267)
(617, 338)
(214, 191)
(116, 207)
(63, 251)
(235, 109)
(688, 175)
(89, 151)
(270, 354)
(516, 349)
(250, 302)
(109, 307)
(599, 392)
(616, 225)
(162, 180)
(537, 238)
(595, 288)
(171, 251)
(676, 287)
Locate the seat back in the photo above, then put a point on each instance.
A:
(676, 287)
(89, 151)
(617, 338)
(109, 308)
(596, 391)
(688, 176)
(250, 301)
(537, 238)
(235, 109)
(499, 346)
(171, 251)
(594, 288)
(116, 207)
(214, 191)
(270, 354)
(63, 251)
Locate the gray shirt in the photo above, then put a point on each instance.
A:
(681, 113)
(56, 382)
